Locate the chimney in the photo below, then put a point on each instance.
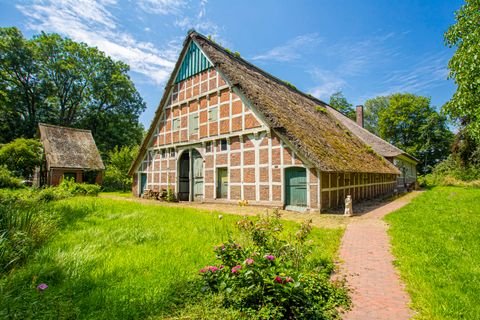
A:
(359, 113)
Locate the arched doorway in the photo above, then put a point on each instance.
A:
(190, 176)
(295, 188)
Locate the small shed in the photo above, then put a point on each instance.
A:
(69, 153)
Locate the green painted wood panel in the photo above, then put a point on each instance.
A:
(194, 62)
(143, 182)
(296, 187)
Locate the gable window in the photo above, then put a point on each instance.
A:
(223, 145)
(213, 114)
(176, 124)
(193, 123)
(208, 147)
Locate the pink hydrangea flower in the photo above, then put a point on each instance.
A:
(209, 268)
(270, 257)
(236, 269)
(249, 261)
(278, 279)
(288, 279)
(42, 287)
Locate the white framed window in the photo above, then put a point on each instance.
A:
(223, 145)
(208, 147)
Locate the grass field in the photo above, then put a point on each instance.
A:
(436, 240)
(117, 259)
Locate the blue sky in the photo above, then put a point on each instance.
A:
(364, 48)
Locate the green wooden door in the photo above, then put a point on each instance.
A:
(295, 187)
(143, 182)
(222, 183)
(197, 175)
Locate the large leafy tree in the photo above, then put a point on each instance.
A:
(372, 109)
(340, 103)
(118, 164)
(464, 67)
(56, 80)
(21, 156)
(412, 124)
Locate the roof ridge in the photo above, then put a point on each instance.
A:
(63, 127)
(265, 73)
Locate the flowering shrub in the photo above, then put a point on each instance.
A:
(268, 277)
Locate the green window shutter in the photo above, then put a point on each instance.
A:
(193, 123)
(213, 114)
(176, 124)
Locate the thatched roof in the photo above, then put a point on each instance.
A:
(300, 119)
(69, 148)
(380, 146)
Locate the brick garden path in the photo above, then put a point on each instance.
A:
(367, 264)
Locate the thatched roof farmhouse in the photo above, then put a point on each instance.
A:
(226, 131)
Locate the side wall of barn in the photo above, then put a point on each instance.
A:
(336, 186)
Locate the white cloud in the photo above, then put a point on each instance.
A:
(357, 57)
(327, 83)
(429, 72)
(91, 22)
(201, 23)
(162, 6)
(291, 50)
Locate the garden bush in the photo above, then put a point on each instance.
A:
(271, 276)
(75, 189)
(7, 180)
(450, 172)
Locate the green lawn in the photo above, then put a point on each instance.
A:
(116, 259)
(436, 240)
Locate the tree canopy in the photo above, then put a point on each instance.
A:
(58, 81)
(371, 112)
(21, 156)
(465, 67)
(339, 102)
(413, 125)
(119, 162)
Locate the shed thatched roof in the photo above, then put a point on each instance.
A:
(302, 120)
(69, 148)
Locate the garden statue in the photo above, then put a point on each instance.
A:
(348, 206)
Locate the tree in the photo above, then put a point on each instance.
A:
(59, 81)
(412, 124)
(119, 162)
(340, 103)
(464, 67)
(21, 156)
(373, 107)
